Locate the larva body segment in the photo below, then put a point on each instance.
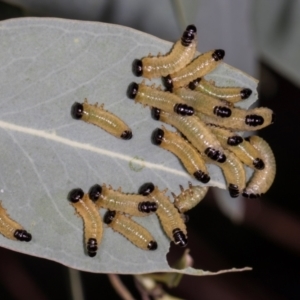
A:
(234, 173)
(93, 227)
(230, 94)
(102, 118)
(189, 156)
(148, 95)
(134, 232)
(261, 180)
(190, 197)
(204, 103)
(12, 229)
(200, 66)
(243, 150)
(242, 119)
(171, 221)
(181, 54)
(195, 131)
(132, 204)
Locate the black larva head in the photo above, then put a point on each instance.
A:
(183, 109)
(132, 90)
(109, 216)
(75, 195)
(254, 120)
(234, 140)
(152, 245)
(201, 176)
(155, 113)
(77, 110)
(250, 195)
(218, 54)
(222, 111)
(189, 35)
(126, 135)
(193, 84)
(258, 164)
(146, 189)
(215, 155)
(147, 207)
(22, 235)
(92, 247)
(233, 190)
(180, 238)
(137, 67)
(245, 93)
(95, 192)
(168, 83)
(157, 136)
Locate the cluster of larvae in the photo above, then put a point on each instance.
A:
(205, 116)
(121, 207)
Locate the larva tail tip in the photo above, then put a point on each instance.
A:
(245, 93)
(152, 245)
(259, 164)
(155, 113)
(137, 67)
(233, 190)
(218, 54)
(168, 83)
(146, 189)
(109, 216)
(75, 195)
(201, 176)
(95, 192)
(132, 90)
(157, 136)
(77, 110)
(126, 135)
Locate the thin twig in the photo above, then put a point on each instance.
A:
(119, 287)
(75, 284)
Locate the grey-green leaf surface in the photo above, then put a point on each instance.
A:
(47, 65)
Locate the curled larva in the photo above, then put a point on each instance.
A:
(261, 180)
(168, 215)
(230, 94)
(189, 156)
(11, 229)
(204, 103)
(148, 95)
(234, 173)
(93, 227)
(190, 197)
(199, 67)
(195, 131)
(241, 148)
(242, 119)
(181, 54)
(132, 204)
(98, 116)
(134, 232)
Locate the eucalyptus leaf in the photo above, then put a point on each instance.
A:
(47, 65)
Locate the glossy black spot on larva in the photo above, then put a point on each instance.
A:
(273, 118)
(126, 135)
(95, 192)
(250, 195)
(183, 109)
(147, 206)
(132, 90)
(218, 54)
(233, 190)
(168, 83)
(215, 155)
(191, 28)
(188, 36)
(157, 136)
(77, 110)
(259, 164)
(137, 67)
(92, 247)
(22, 235)
(155, 113)
(193, 84)
(247, 138)
(146, 189)
(254, 120)
(234, 140)
(109, 216)
(222, 111)
(152, 245)
(180, 238)
(245, 93)
(201, 176)
(75, 195)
